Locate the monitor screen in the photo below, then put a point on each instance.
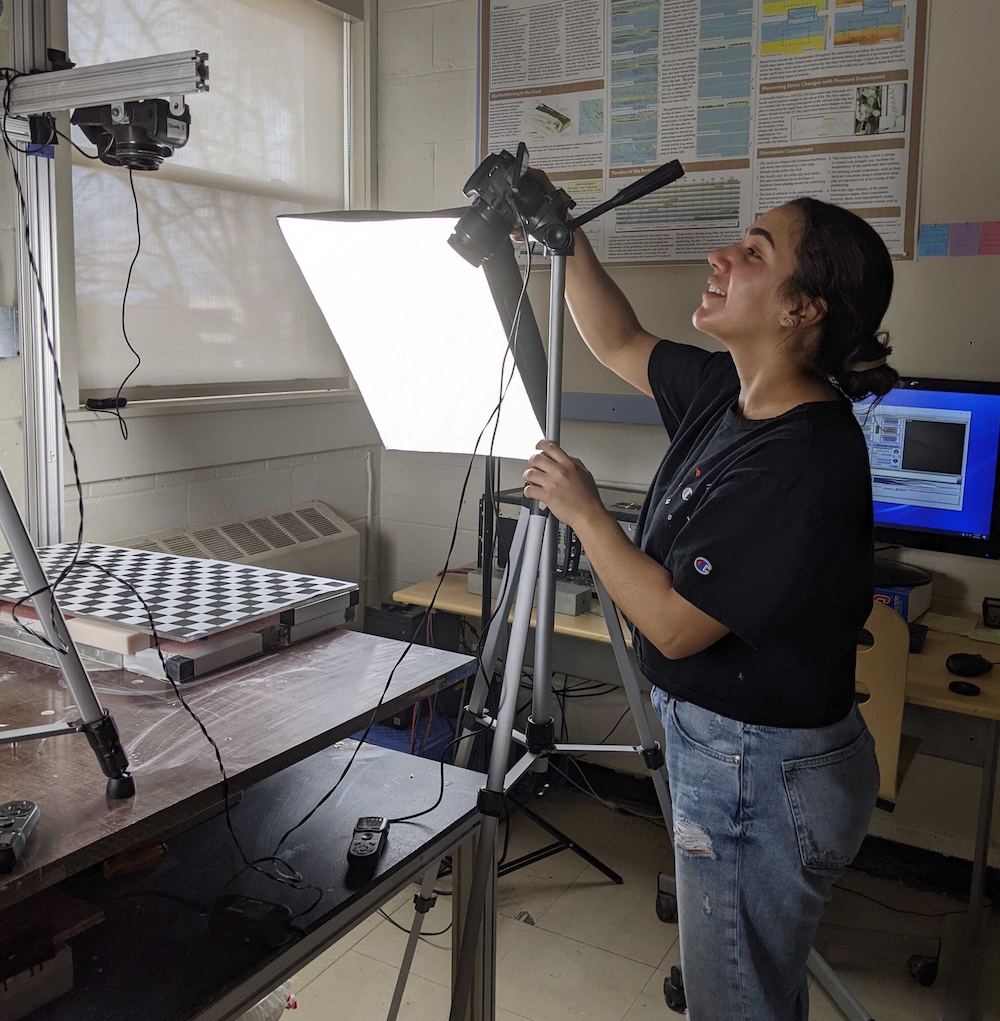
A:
(933, 448)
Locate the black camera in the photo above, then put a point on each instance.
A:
(136, 134)
(504, 198)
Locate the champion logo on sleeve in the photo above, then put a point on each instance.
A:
(702, 565)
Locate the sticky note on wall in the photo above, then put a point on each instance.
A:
(933, 239)
(989, 238)
(964, 239)
(977, 237)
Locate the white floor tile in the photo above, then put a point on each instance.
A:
(650, 1004)
(432, 959)
(622, 918)
(549, 977)
(367, 925)
(356, 986)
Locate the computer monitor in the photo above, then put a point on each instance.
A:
(933, 446)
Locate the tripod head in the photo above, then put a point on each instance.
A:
(505, 196)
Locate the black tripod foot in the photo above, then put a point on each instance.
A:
(673, 991)
(120, 787)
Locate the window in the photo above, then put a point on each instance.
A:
(216, 303)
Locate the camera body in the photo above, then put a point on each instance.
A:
(505, 197)
(136, 134)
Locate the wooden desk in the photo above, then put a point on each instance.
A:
(927, 679)
(455, 597)
(926, 689)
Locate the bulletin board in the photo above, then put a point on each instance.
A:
(760, 100)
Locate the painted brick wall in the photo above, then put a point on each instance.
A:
(427, 126)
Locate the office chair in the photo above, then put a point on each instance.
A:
(883, 657)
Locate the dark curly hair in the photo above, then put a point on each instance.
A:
(842, 262)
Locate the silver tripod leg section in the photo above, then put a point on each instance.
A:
(491, 646)
(847, 1003)
(545, 618)
(49, 615)
(422, 903)
(491, 795)
(541, 693)
(628, 668)
(97, 724)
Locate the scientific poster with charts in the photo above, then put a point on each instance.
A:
(760, 100)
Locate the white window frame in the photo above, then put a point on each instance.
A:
(40, 25)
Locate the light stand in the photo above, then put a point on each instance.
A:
(532, 561)
(94, 721)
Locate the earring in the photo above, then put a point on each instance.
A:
(787, 321)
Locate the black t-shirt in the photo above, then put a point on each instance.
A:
(766, 526)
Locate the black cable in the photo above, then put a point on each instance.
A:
(292, 877)
(430, 608)
(494, 418)
(494, 486)
(444, 752)
(116, 410)
(9, 75)
(904, 911)
(33, 265)
(506, 834)
(403, 928)
(83, 152)
(607, 736)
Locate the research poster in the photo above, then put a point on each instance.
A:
(760, 100)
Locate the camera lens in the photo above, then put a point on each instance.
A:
(479, 232)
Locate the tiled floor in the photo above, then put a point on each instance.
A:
(574, 946)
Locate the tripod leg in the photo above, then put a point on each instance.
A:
(422, 902)
(96, 722)
(491, 797)
(508, 587)
(628, 667)
(539, 729)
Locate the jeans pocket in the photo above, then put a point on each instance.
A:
(831, 797)
(716, 736)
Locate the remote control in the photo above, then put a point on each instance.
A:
(367, 844)
(17, 820)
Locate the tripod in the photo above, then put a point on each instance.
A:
(94, 721)
(531, 563)
(561, 841)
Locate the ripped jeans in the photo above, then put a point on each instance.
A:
(765, 820)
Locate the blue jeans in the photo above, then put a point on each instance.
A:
(765, 820)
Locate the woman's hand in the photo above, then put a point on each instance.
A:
(563, 484)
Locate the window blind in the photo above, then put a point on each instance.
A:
(216, 303)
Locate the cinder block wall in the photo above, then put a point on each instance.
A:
(427, 127)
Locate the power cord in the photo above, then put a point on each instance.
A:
(283, 872)
(290, 877)
(494, 419)
(113, 405)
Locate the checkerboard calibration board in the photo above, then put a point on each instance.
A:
(188, 598)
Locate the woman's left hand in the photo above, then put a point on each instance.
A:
(562, 483)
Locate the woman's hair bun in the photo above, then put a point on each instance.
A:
(866, 371)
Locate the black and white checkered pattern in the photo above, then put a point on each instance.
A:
(189, 598)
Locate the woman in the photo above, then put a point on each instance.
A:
(750, 582)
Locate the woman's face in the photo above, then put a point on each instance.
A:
(743, 301)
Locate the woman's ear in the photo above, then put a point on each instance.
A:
(810, 311)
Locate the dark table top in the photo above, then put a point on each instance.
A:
(264, 716)
(156, 957)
